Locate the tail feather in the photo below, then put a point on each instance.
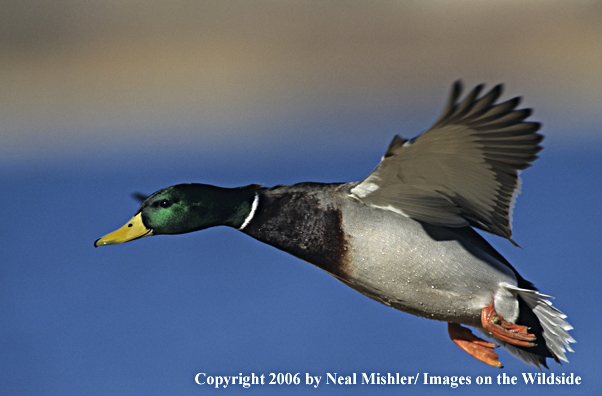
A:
(554, 328)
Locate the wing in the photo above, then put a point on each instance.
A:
(464, 170)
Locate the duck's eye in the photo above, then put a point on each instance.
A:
(165, 203)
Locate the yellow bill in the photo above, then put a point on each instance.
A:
(133, 229)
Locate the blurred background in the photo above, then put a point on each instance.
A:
(101, 99)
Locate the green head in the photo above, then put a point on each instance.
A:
(185, 208)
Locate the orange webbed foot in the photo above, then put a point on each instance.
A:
(473, 345)
(506, 331)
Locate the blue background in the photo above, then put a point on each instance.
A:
(146, 317)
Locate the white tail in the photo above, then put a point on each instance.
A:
(555, 327)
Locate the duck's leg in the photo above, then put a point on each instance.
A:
(506, 331)
(473, 345)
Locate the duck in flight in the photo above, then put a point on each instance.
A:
(404, 235)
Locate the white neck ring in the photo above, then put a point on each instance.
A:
(252, 213)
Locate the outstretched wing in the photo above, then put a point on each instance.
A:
(463, 170)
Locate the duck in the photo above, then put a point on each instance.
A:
(404, 235)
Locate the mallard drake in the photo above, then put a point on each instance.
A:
(404, 235)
